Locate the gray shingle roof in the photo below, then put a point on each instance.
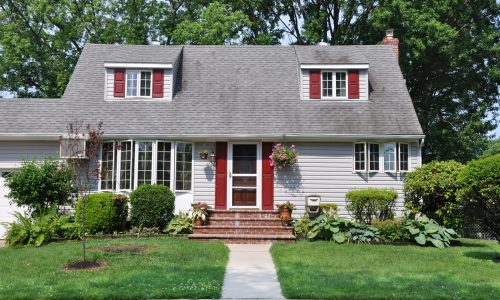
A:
(226, 90)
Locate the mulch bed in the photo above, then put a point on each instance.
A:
(127, 248)
(85, 265)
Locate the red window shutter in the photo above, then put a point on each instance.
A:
(119, 86)
(353, 82)
(267, 177)
(314, 84)
(158, 83)
(221, 175)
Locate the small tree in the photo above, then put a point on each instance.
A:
(432, 190)
(40, 185)
(85, 168)
(480, 191)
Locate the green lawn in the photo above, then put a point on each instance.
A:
(353, 271)
(172, 268)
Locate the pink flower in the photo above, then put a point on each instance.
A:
(293, 147)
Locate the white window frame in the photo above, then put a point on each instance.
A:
(136, 161)
(394, 157)
(113, 179)
(174, 176)
(138, 84)
(119, 166)
(370, 158)
(334, 85)
(172, 165)
(408, 159)
(354, 157)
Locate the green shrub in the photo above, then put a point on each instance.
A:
(480, 192)
(366, 205)
(432, 190)
(424, 230)
(341, 230)
(301, 226)
(180, 224)
(152, 206)
(104, 212)
(329, 209)
(392, 230)
(40, 229)
(40, 185)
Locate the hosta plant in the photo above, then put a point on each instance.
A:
(424, 230)
(180, 224)
(341, 230)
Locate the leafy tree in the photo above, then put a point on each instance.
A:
(493, 148)
(38, 186)
(449, 52)
(216, 25)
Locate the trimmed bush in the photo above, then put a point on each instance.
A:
(480, 192)
(40, 185)
(329, 209)
(152, 206)
(370, 204)
(104, 212)
(432, 190)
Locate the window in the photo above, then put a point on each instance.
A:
(126, 162)
(334, 81)
(327, 84)
(183, 166)
(163, 163)
(107, 166)
(373, 157)
(144, 162)
(139, 80)
(404, 154)
(390, 157)
(359, 156)
(340, 84)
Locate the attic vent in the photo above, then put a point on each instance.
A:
(322, 43)
(73, 148)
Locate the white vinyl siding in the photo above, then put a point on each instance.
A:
(325, 169)
(110, 80)
(204, 175)
(13, 153)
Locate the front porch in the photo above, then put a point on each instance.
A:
(243, 226)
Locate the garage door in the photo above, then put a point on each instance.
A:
(6, 210)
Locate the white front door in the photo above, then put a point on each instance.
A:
(244, 180)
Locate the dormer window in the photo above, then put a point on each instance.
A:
(335, 81)
(139, 81)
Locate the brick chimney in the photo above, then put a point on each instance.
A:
(389, 39)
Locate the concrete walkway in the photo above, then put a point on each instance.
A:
(250, 273)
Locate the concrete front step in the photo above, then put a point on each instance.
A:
(218, 221)
(231, 229)
(244, 238)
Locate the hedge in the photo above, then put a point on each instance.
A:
(152, 206)
(104, 212)
(366, 205)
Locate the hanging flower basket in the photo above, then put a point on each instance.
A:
(283, 156)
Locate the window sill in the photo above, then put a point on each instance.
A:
(337, 100)
(137, 99)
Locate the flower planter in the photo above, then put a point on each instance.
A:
(198, 222)
(204, 155)
(285, 214)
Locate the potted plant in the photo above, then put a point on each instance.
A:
(199, 213)
(283, 156)
(285, 210)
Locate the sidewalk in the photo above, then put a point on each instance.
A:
(250, 273)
